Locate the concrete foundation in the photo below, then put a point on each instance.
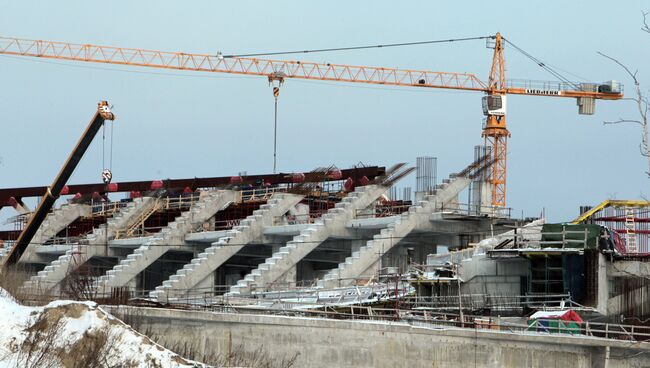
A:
(335, 343)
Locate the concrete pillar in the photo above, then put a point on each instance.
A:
(603, 285)
(481, 197)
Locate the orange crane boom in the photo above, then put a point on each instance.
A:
(494, 133)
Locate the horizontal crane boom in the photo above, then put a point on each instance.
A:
(274, 69)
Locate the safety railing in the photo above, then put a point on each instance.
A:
(490, 301)
(66, 240)
(307, 218)
(550, 87)
(226, 224)
(106, 209)
(19, 221)
(567, 239)
(182, 202)
(466, 209)
(453, 257)
(382, 211)
(208, 300)
(138, 232)
(260, 194)
(425, 318)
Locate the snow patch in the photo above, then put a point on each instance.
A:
(76, 325)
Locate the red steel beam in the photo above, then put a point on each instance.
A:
(370, 172)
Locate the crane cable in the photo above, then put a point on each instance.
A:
(543, 65)
(358, 47)
(276, 89)
(107, 172)
(276, 93)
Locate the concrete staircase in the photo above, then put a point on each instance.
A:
(55, 222)
(93, 245)
(170, 237)
(122, 220)
(202, 267)
(288, 256)
(367, 256)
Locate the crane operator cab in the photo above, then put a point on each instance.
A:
(494, 105)
(610, 87)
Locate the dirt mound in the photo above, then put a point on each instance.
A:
(71, 334)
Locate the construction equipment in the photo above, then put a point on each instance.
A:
(627, 218)
(47, 201)
(495, 132)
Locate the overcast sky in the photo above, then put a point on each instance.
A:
(185, 124)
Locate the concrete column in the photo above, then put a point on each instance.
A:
(603, 285)
(481, 197)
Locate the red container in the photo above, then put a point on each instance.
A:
(348, 186)
(112, 187)
(12, 202)
(156, 184)
(297, 177)
(335, 174)
(364, 180)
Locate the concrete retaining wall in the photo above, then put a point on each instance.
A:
(332, 343)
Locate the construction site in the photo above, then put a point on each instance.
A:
(339, 266)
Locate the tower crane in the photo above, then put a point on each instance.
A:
(496, 89)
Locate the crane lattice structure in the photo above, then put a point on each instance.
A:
(495, 132)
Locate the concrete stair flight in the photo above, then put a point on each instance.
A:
(289, 255)
(51, 276)
(251, 228)
(55, 222)
(140, 220)
(361, 261)
(93, 245)
(170, 237)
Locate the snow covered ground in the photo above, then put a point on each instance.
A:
(75, 334)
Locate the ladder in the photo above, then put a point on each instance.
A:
(139, 222)
(630, 233)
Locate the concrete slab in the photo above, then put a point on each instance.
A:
(205, 236)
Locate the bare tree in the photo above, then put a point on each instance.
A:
(38, 350)
(641, 100)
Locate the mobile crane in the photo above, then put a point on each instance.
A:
(102, 114)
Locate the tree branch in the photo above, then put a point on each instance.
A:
(633, 75)
(619, 121)
(642, 101)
